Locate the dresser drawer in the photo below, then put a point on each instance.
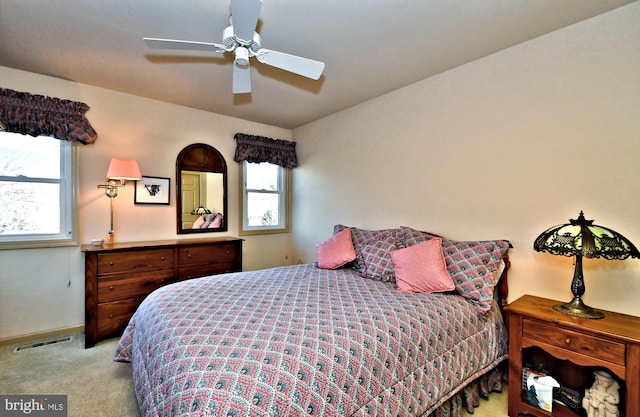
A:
(608, 350)
(195, 271)
(113, 317)
(136, 285)
(222, 253)
(112, 263)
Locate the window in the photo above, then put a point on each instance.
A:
(264, 198)
(36, 191)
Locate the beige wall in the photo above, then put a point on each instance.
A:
(503, 147)
(43, 289)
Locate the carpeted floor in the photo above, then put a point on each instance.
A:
(98, 386)
(94, 384)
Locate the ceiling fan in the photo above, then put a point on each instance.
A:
(241, 39)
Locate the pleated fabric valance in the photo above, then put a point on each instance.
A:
(252, 148)
(37, 115)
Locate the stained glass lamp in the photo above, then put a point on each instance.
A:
(581, 238)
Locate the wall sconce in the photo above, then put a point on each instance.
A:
(580, 237)
(120, 171)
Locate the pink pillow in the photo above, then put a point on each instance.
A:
(216, 223)
(422, 268)
(336, 251)
(198, 223)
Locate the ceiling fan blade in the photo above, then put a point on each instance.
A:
(244, 16)
(241, 79)
(157, 43)
(292, 63)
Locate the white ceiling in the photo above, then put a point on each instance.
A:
(370, 47)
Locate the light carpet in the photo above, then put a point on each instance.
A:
(95, 385)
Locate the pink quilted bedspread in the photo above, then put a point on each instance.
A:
(299, 340)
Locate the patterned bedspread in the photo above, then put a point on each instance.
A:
(299, 340)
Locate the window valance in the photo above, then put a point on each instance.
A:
(37, 115)
(252, 148)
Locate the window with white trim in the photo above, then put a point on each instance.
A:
(264, 198)
(36, 190)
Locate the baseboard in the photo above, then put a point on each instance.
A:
(32, 337)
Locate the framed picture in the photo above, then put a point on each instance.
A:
(152, 190)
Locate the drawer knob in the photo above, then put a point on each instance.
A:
(228, 252)
(111, 287)
(567, 341)
(110, 316)
(188, 254)
(111, 263)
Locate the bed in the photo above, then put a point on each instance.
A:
(343, 340)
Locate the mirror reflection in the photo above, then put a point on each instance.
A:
(201, 190)
(201, 200)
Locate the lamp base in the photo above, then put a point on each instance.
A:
(578, 309)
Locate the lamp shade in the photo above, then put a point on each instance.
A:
(200, 210)
(581, 238)
(124, 169)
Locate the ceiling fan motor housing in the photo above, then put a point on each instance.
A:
(231, 41)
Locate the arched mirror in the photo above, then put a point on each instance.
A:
(201, 190)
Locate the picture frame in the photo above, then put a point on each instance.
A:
(152, 190)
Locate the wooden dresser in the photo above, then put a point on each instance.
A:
(572, 348)
(119, 276)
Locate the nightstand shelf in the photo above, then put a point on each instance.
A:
(572, 348)
(558, 411)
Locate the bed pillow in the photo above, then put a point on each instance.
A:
(422, 268)
(208, 219)
(336, 251)
(376, 256)
(216, 222)
(198, 223)
(362, 237)
(413, 237)
(474, 266)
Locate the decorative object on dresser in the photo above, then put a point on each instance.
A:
(120, 171)
(582, 238)
(571, 349)
(119, 276)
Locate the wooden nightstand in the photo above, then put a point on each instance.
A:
(572, 348)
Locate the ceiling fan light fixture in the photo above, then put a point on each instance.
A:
(242, 55)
